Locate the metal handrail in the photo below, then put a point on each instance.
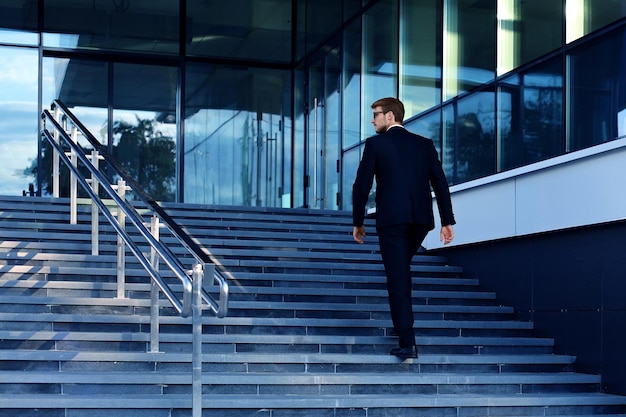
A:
(194, 295)
(220, 307)
(183, 308)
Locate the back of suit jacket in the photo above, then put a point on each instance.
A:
(406, 166)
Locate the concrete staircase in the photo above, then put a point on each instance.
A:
(308, 331)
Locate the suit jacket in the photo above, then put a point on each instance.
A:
(406, 166)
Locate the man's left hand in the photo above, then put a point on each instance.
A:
(358, 233)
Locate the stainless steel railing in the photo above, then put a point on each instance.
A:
(61, 129)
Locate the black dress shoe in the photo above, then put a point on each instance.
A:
(404, 353)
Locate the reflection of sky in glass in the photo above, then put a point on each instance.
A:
(60, 40)
(16, 37)
(18, 117)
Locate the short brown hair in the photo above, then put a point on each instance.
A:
(390, 104)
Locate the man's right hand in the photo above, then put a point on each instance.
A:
(447, 234)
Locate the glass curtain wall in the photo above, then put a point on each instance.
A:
(207, 117)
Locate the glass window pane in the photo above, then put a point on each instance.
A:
(332, 141)
(235, 142)
(351, 85)
(21, 15)
(380, 58)
(530, 114)
(584, 16)
(527, 29)
(469, 142)
(77, 83)
(16, 37)
(349, 166)
(144, 126)
(350, 8)
(299, 168)
(448, 142)
(317, 20)
(88, 102)
(597, 91)
(420, 55)
(469, 45)
(138, 25)
(241, 29)
(19, 121)
(428, 126)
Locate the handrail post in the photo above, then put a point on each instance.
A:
(56, 176)
(121, 248)
(154, 290)
(73, 180)
(95, 222)
(196, 308)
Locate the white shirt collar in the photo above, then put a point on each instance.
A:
(395, 125)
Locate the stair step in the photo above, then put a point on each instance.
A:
(20, 257)
(292, 383)
(224, 378)
(104, 361)
(242, 402)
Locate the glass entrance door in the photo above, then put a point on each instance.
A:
(322, 138)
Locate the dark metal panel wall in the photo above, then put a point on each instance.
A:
(571, 283)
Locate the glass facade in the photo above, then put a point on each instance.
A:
(267, 103)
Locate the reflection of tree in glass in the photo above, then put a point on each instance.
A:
(542, 124)
(473, 148)
(46, 166)
(147, 155)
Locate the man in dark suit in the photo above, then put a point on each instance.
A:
(406, 166)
